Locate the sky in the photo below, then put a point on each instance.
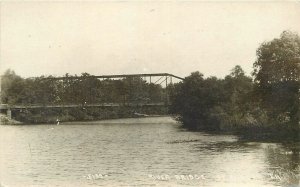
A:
(124, 37)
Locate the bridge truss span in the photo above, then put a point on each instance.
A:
(155, 78)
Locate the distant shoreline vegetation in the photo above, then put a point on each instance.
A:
(262, 106)
(80, 91)
(266, 106)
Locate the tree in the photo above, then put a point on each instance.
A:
(11, 87)
(194, 100)
(277, 74)
(238, 88)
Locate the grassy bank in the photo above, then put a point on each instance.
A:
(38, 116)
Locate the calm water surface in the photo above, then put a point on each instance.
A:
(139, 152)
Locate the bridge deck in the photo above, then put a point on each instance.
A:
(5, 106)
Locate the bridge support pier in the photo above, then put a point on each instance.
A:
(8, 113)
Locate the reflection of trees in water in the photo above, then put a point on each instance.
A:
(283, 163)
(236, 146)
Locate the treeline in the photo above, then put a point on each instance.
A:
(84, 89)
(79, 90)
(266, 104)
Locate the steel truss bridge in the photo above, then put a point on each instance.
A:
(163, 79)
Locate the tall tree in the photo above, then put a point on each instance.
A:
(277, 74)
(238, 89)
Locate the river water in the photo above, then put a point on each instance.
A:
(139, 152)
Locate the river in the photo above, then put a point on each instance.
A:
(139, 152)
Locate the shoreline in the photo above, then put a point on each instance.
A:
(250, 135)
(12, 122)
(53, 115)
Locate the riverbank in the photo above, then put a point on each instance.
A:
(126, 120)
(136, 120)
(52, 115)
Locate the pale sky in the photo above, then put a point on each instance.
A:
(100, 38)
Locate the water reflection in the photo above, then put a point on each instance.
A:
(284, 163)
(241, 147)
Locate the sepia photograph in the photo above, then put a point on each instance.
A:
(167, 93)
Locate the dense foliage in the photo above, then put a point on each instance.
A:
(213, 104)
(277, 77)
(85, 89)
(269, 104)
